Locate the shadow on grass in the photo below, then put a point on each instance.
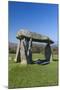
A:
(42, 62)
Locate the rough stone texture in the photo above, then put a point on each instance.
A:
(18, 59)
(48, 52)
(51, 58)
(35, 37)
(23, 51)
(29, 51)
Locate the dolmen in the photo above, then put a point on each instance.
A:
(24, 48)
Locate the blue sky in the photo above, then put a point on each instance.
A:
(40, 18)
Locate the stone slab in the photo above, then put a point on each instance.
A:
(35, 37)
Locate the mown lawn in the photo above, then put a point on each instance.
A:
(32, 75)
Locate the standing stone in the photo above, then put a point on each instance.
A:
(29, 52)
(23, 51)
(48, 52)
(51, 57)
(18, 59)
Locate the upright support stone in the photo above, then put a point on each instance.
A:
(23, 51)
(18, 59)
(51, 57)
(29, 52)
(48, 52)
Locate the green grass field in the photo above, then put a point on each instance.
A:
(33, 75)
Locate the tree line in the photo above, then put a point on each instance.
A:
(36, 48)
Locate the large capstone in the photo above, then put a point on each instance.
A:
(35, 37)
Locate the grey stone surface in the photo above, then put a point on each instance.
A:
(23, 51)
(48, 52)
(35, 37)
(51, 57)
(29, 51)
(18, 56)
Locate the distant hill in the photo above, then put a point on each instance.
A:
(36, 48)
(12, 47)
